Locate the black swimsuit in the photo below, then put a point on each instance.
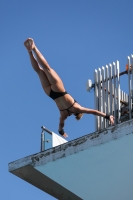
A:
(69, 107)
(55, 95)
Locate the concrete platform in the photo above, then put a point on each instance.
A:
(97, 166)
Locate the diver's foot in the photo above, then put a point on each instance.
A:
(29, 44)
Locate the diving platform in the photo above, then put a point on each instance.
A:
(96, 166)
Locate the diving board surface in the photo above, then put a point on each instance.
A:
(94, 167)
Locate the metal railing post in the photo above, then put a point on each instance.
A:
(129, 87)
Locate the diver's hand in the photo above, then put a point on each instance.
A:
(62, 133)
(65, 135)
(111, 119)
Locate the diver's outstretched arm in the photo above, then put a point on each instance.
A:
(96, 112)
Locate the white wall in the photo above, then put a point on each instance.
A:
(103, 172)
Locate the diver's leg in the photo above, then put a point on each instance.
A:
(34, 62)
(54, 79)
(43, 78)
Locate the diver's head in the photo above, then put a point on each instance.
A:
(78, 116)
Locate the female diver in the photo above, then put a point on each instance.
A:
(54, 88)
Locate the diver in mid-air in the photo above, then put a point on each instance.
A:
(54, 88)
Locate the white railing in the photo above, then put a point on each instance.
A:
(109, 98)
